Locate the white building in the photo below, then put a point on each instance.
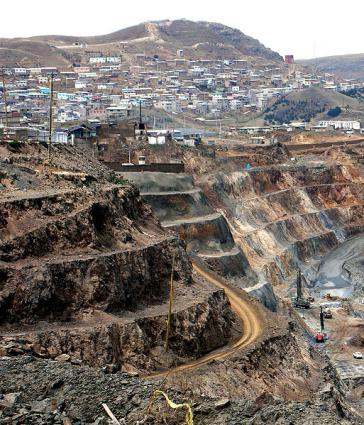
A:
(220, 103)
(157, 140)
(87, 75)
(35, 71)
(80, 85)
(341, 125)
(20, 71)
(105, 59)
(66, 96)
(170, 106)
(117, 111)
(60, 137)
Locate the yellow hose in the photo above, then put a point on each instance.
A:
(189, 414)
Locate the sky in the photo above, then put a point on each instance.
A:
(307, 29)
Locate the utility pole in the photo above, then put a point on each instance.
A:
(50, 115)
(170, 305)
(5, 102)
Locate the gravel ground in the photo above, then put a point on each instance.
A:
(37, 391)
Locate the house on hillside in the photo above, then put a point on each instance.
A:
(84, 131)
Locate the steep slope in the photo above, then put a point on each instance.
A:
(217, 40)
(285, 218)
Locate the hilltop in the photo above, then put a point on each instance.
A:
(164, 38)
(344, 66)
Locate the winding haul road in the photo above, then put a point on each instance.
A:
(249, 315)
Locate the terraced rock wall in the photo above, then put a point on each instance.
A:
(196, 329)
(185, 209)
(57, 257)
(285, 217)
(85, 267)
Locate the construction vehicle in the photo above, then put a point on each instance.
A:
(300, 301)
(327, 313)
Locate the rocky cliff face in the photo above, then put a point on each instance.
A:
(70, 257)
(85, 268)
(196, 329)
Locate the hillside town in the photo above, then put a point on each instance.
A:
(206, 92)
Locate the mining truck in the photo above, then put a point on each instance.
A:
(327, 313)
(300, 301)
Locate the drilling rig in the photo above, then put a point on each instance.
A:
(300, 301)
(320, 336)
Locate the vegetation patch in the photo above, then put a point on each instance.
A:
(334, 112)
(285, 110)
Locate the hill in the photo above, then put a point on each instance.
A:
(312, 103)
(26, 52)
(344, 66)
(197, 39)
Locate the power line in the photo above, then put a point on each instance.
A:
(50, 115)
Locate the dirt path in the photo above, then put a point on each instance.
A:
(251, 320)
(172, 192)
(192, 220)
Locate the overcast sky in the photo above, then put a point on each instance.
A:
(306, 28)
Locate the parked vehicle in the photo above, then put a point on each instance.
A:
(327, 313)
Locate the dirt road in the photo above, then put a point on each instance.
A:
(249, 315)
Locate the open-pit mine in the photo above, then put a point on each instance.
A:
(235, 290)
